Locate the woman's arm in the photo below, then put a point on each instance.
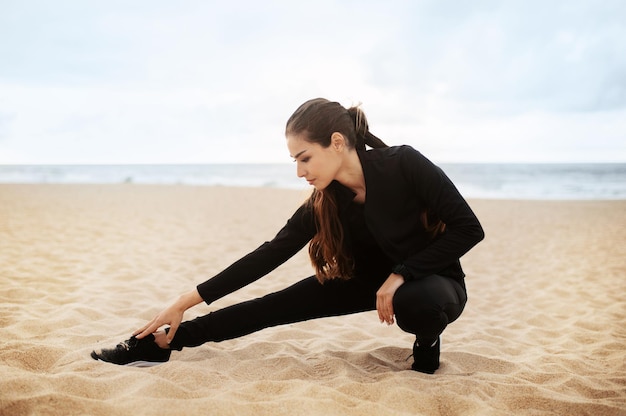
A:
(289, 240)
(463, 230)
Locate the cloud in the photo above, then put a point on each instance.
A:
(513, 56)
(207, 81)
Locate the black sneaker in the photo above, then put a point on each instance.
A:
(134, 352)
(426, 357)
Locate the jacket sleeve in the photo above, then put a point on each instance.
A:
(299, 229)
(437, 192)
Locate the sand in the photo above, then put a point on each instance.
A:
(82, 266)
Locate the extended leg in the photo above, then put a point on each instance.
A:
(307, 299)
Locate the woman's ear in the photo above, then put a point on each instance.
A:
(337, 141)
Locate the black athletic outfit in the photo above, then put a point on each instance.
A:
(385, 234)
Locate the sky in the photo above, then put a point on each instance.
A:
(154, 81)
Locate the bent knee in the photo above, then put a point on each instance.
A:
(427, 319)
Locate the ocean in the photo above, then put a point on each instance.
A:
(474, 180)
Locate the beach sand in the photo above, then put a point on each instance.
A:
(82, 266)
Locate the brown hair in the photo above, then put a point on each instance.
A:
(317, 120)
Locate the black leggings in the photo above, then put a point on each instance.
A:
(423, 307)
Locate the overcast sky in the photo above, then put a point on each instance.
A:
(159, 81)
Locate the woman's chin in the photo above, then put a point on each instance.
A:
(318, 185)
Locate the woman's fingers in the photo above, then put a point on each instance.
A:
(171, 333)
(384, 297)
(170, 316)
(384, 306)
(379, 309)
(147, 331)
(142, 329)
(388, 308)
(149, 328)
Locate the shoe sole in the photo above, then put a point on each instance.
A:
(139, 364)
(142, 364)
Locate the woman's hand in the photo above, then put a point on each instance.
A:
(172, 316)
(384, 297)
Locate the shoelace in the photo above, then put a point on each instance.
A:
(128, 344)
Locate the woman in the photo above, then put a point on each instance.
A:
(385, 228)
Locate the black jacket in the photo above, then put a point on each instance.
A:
(400, 182)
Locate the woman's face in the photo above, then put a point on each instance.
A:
(317, 164)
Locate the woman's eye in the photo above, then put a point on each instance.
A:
(304, 160)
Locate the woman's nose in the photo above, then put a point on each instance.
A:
(300, 171)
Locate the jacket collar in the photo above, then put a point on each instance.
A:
(343, 195)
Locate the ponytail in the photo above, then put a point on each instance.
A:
(361, 127)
